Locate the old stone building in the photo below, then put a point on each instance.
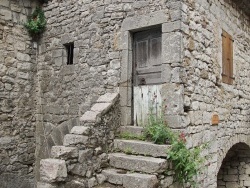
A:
(94, 72)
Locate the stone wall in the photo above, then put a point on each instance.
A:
(95, 27)
(204, 92)
(17, 96)
(84, 153)
(67, 91)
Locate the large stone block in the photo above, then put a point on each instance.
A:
(90, 117)
(85, 155)
(72, 139)
(23, 57)
(81, 130)
(63, 152)
(79, 169)
(108, 98)
(52, 170)
(130, 180)
(140, 181)
(101, 107)
(113, 177)
(171, 47)
(141, 147)
(147, 20)
(126, 94)
(173, 98)
(171, 26)
(137, 163)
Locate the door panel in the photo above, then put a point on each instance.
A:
(146, 98)
(147, 73)
(155, 51)
(142, 54)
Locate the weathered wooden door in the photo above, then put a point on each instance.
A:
(146, 74)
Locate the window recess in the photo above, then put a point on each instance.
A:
(70, 53)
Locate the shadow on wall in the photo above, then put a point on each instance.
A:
(235, 168)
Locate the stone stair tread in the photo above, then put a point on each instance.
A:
(141, 147)
(129, 180)
(135, 130)
(80, 130)
(137, 163)
(73, 139)
(63, 152)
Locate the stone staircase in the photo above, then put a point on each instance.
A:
(82, 154)
(91, 156)
(137, 164)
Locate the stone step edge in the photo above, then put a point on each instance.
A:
(135, 130)
(138, 163)
(137, 147)
(123, 178)
(102, 105)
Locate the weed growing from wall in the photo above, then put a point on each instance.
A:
(36, 22)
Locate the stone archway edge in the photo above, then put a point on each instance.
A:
(54, 170)
(237, 138)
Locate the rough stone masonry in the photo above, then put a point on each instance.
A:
(17, 96)
(42, 98)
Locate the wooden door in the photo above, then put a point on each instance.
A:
(147, 72)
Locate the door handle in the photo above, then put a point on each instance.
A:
(142, 81)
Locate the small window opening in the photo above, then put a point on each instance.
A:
(70, 53)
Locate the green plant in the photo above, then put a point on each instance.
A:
(186, 162)
(36, 22)
(156, 130)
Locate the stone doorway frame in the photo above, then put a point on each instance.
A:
(125, 42)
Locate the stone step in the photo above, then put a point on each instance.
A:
(137, 163)
(73, 139)
(141, 147)
(130, 180)
(135, 130)
(80, 130)
(63, 152)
